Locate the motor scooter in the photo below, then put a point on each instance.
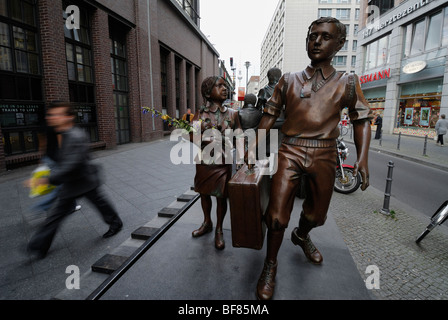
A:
(346, 182)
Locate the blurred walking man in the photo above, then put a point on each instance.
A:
(77, 176)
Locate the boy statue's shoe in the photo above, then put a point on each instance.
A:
(266, 282)
(307, 246)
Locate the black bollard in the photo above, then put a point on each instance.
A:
(387, 193)
(425, 144)
(399, 139)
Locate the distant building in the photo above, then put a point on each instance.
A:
(284, 44)
(253, 86)
(402, 58)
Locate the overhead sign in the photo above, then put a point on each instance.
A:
(414, 67)
(375, 76)
(408, 9)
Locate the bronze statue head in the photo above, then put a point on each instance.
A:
(250, 99)
(326, 36)
(207, 86)
(274, 75)
(339, 25)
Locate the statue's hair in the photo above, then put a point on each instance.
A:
(340, 26)
(207, 86)
(274, 72)
(250, 98)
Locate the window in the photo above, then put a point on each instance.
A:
(445, 29)
(343, 14)
(79, 60)
(355, 45)
(120, 85)
(324, 13)
(427, 34)
(21, 106)
(377, 53)
(434, 30)
(191, 8)
(164, 82)
(418, 38)
(340, 61)
(420, 104)
(177, 62)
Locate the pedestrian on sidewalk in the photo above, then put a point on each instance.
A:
(76, 175)
(49, 143)
(312, 115)
(188, 116)
(379, 126)
(211, 178)
(441, 129)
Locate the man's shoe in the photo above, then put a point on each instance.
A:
(266, 282)
(203, 229)
(307, 246)
(113, 230)
(77, 208)
(219, 240)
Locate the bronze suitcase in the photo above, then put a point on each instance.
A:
(248, 198)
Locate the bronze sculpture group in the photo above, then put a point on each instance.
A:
(311, 102)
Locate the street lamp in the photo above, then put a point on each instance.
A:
(247, 63)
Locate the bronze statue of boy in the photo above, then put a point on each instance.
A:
(313, 100)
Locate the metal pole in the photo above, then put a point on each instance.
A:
(424, 145)
(399, 139)
(247, 63)
(381, 138)
(387, 193)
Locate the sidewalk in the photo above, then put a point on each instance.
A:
(410, 148)
(141, 181)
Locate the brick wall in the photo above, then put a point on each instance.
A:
(55, 84)
(103, 83)
(2, 154)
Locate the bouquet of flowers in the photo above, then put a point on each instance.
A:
(178, 123)
(36, 190)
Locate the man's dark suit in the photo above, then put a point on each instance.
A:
(78, 177)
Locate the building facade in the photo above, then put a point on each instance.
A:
(109, 58)
(402, 60)
(284, 45)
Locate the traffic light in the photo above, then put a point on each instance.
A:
(231, 62)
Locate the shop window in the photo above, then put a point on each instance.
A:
(420, 104)
(21, 107)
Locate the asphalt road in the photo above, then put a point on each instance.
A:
(420, 186)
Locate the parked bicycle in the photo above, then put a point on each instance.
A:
(436, 220)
